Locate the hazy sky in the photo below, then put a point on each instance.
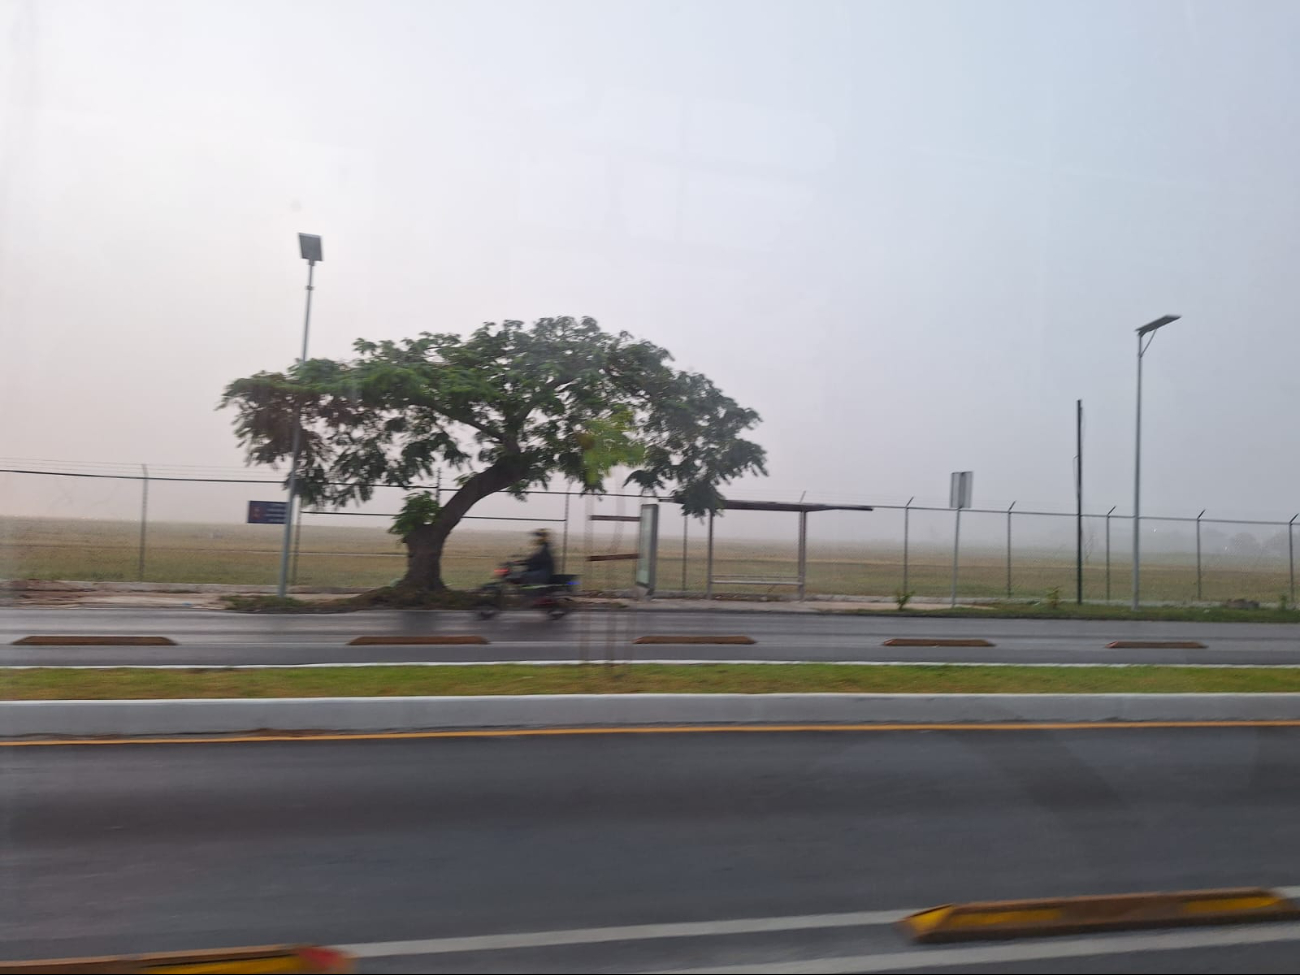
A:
(909, 233)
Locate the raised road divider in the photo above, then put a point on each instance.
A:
(450, 640)
(270, 958)
(908, 641)
(1076, 915)
(83, 640)
(693, 639)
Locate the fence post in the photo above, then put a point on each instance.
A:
(1198, 555)
(144, 515)
(1290, 554)
(686, 521)
(803, 555)
(564, 545)
(956, 549)
(1108, 514)
(297, 546)
(1013, 504)
(907, 511)
(708, 582)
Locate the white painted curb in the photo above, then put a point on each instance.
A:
(208, 716)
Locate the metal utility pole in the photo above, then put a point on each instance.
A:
(1198, 554)
(1108, 514)
(907, 511)
(309, 246)
(1078, 502)
(1009, 507)
(1143, 343)
(1290, 555)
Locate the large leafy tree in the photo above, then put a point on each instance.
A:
(509, 407)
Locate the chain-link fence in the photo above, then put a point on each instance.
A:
(187, 526)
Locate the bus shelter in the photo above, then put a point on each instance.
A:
(800, 581)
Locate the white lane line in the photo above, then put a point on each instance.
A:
(631, 932)
(687, 929)
(932, 958)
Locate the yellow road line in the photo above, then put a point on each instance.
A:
(646, 730)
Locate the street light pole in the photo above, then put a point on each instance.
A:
(309, 245)
(1142, 344)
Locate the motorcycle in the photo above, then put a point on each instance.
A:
(507, 588)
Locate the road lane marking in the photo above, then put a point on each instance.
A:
(1155, 645)
(662, 662)
(631, 932)
(934, 641)
(722, 729)
(1038, 950)
(649, 932)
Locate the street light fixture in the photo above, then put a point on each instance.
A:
(1149, 329)
(309, 246)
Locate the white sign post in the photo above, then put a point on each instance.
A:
(958, 498)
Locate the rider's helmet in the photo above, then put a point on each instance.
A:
(542, 536)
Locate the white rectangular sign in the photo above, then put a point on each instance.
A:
(959, 495)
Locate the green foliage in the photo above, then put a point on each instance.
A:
(902, 597)
(607, 443)
(558, 399)
(419, 508)
(1054, 597)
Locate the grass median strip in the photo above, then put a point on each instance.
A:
(55, 683)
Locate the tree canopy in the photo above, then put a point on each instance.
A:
(510, 407)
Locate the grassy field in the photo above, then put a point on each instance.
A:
(365, 557)
(63, 684)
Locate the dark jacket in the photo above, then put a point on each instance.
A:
(541, 561)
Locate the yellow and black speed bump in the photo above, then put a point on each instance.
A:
(451, 640)
(1075, 915)
(907, 641)
(687, 640)
(273, 958)
(95, 641)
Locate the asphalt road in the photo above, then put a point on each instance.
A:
(210, 638)
(747, 849)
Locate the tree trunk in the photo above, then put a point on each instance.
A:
(424, 544)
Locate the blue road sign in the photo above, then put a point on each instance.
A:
(267, 512)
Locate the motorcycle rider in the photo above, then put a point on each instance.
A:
(540, 566)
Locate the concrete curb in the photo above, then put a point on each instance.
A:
(1114, 912)
(368, 714)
